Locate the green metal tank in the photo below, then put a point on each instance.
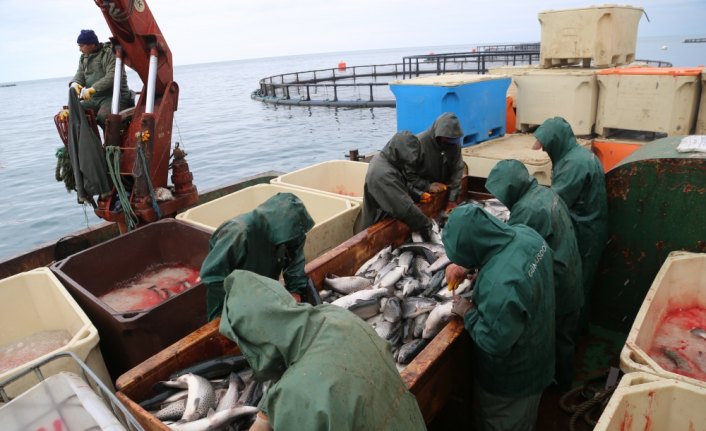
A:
(656, 204)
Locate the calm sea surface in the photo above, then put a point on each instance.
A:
(227, 135)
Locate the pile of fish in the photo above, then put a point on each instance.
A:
(402, 293)
(218, 393)
(494, 207)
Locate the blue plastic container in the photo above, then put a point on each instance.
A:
(477, 100)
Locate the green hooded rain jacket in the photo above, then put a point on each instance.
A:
(512, 325)
(266, 240)
(386, 192)
(577, 176)
(544, 211)
(436, 164)
(329, 368)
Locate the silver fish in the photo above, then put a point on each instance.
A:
(437, 319)
(410, 350)
(365, 309)
(420, 267)
(416, 305)
(383, 272)
(215, 420)
(348, 300)
(200, 398)
(347, 285)
(171, 411)
(435, 232)
(419, 323)
(417, 237)
(393, 310)
(386, 330)
(324, 294)
(410, 286)
(441, 263)
(405, 261)
(391, 277)
(380, 259)
(462, 288)
(231, 396)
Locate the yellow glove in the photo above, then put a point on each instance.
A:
(77, 88)
(425, 198)
(87, 93)
(63, 114)
(437, 187)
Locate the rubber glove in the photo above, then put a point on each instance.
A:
(455, 275)
(262, 423)
(87, 93)
(425, 198)
(77, 88)
(437, 187)
(63, 114)
(460, 306)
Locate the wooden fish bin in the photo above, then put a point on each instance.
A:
(432, 376)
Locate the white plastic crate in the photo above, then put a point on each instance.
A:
(340, 178)
(650, 99)
(605, 34)
(647, 402)
(482, 158)
(546, 93)
(333, 216)
(34, 302)
(679, 285)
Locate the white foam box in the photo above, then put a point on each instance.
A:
(605, 34)
(333, 216)
(36, 301)
(651, 99)
(63, 401)
(482, 158)
(546, 93)
(680, 283)
(647, 402)
(340, 178)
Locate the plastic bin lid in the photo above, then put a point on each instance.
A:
(603, 6)
(564, 71)
(447, 80)
(675, 71)
(517, 147)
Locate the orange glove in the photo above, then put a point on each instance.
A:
(297, 297)
(437, 187)
(455, 275)
(425, 198)
(63, 114)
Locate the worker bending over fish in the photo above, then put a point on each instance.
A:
(544, 211)
(268, 240)
(439, 163)
(510, 317)
(387, 192)
(329, 369)
(577, 176)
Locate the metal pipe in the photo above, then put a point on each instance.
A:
(151, 81)
(117, 77)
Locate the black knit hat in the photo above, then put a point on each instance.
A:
(87, 37)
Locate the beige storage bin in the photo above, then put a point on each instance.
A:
(701, 118)
(482, 158)
(333, 216)
(647, 402)
(511, 72)
(32, 303)
(605, 34)
(680, 286)
(340, 178)
(649, 99)
(547, 93)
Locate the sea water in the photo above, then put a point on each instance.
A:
(227, 135)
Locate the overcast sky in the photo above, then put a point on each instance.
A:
(38, 39)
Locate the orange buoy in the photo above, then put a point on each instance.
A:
(342, 66)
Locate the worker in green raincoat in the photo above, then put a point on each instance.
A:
(386, 191)
(510, 317)
(577, 176)
(93, 80)
(268, 240)
(329, 369)
(439, 164)
(544, 211)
